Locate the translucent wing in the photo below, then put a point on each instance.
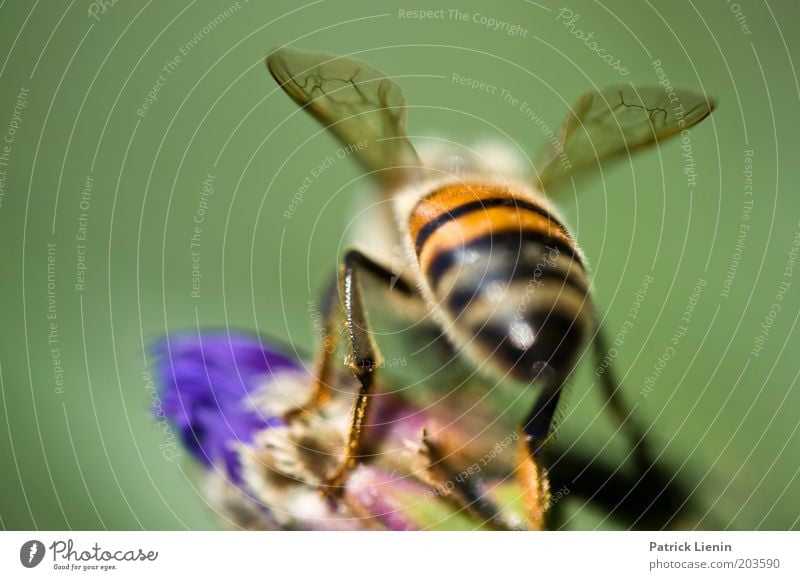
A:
(358, 103)
(603, 125)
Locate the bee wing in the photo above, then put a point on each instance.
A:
(606, 124)
(358, 103)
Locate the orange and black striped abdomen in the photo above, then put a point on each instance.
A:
(507, 273)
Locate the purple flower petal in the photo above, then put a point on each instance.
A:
(207, 381)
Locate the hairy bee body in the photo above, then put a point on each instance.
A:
(495, 267)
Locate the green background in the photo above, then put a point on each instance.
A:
(88, 455)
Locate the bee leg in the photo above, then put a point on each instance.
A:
(641, 503)
(650, 476)
(323, 366)
(330, 314)
(539, 422)
(362, 356)
(464, 495)
(535, 433)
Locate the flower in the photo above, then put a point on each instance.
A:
(208, 384)
(443, 462)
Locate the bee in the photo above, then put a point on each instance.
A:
(489, 259)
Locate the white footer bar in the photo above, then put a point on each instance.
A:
(401, 555)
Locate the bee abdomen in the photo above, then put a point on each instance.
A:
(507, 273)
(523, 301)
(521, 346)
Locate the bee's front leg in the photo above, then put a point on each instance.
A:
(362, 357)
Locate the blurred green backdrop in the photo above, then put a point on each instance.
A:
(101, 185)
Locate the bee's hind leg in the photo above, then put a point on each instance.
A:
(362, 357)
(535, 432)
(665, 498)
